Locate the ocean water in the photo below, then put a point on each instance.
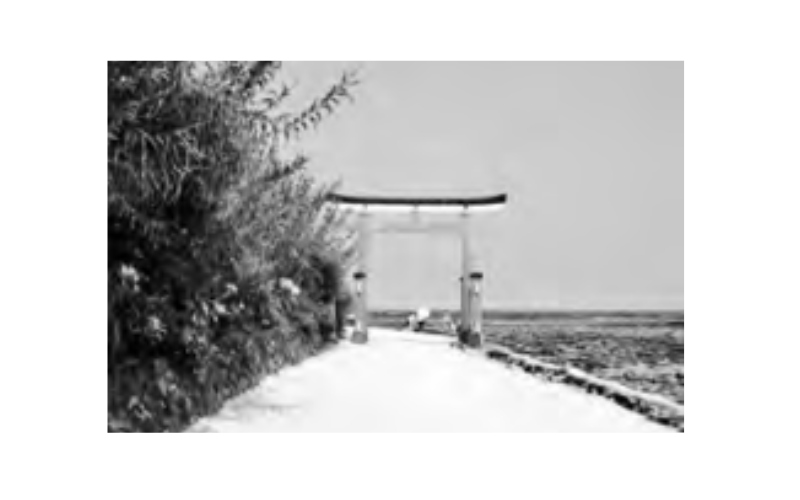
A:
(625, 320)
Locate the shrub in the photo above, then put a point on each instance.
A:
(204, 211)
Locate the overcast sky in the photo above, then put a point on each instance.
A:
(591, 155)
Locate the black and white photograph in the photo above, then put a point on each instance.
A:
(395, 247)
(427, 250)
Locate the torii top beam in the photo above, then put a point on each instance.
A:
(413, 204)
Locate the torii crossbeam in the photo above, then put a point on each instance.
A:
(470, 328)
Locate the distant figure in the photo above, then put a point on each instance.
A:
(416, 321)
(423, 314)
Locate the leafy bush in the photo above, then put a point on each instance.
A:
(206, 213)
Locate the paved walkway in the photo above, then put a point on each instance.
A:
(405, 382)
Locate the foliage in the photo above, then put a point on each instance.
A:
(206, 213)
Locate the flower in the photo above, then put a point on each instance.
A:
(289, 285)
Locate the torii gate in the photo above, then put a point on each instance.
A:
(470, 328)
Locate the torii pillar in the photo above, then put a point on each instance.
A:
(471, 324)
(360, 279)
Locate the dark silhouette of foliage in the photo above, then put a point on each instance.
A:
(206, 214)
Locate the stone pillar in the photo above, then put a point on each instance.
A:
(475, 338)
(361, 333)
(466, 269)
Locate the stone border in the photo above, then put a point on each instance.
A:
(652, 406)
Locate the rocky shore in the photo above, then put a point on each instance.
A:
(644, 359)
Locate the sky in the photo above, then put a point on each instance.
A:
(590, 154)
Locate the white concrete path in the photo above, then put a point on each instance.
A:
(405, 382)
